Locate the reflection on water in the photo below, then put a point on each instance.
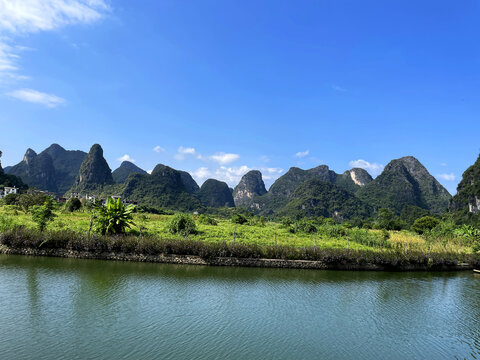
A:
(67, 308)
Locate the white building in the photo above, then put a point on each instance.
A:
(8, 190)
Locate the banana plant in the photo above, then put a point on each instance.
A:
(114, 217)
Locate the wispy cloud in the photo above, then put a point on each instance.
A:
(224, 159)
(302, 154)
(271, 173)
(183, 151)
(23, 17)
(37, 97)
(158, 149)
(126, 157)
(372, 168)
(338, 88)
(221, 158)
(447, 177)
(443, 164)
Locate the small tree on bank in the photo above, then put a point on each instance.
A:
(43, 214)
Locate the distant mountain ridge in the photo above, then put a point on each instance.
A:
(54, 169)
(126, 168)
(467, 198)
(313, 192)
(405, 181)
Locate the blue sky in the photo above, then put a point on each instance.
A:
(220, 87)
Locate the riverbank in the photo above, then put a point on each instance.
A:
(231, 261)
(70, 244)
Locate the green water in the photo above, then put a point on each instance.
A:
(83, 309)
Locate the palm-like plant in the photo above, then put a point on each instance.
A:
(114, 217)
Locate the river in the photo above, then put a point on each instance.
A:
(52, 308)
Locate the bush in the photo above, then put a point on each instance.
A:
(182, 224)
(73, 204)
(306, 226)
(113, 217)
(424, 224)
(239, 219)
(207, 220)
(32, 198)
(257, 221)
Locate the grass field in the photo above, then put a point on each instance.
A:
(271, 233)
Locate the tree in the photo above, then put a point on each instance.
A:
(113, 217)
(44, 214)
(424, 224)
(387, 220)
(73, 204)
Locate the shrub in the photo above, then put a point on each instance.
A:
(257, 221)
(113, 217)
(11, 199)
(286, 222)
(182, 224)
(32, 198)
(306, 226)
(44, 214)
(424, 224)
(239, 219)
(73, 204)
(207, 220)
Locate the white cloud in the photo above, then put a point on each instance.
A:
(338, 88)
(264, 158)
(301, 154)
(224, 159)
(372, 168)
(24, 17)
(447, 177)
(37, 97)
(231, 175)
(158, 149)
(271, 173)
(201, 173)
(188, 150)
(126, 157)
(183, 151)
(149, 171)
(29, 16)
(443, 164)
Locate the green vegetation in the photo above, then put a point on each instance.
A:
(207, 235)
(182, 224)
(43, 214)
(113, 217)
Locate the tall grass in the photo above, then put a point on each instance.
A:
(22, 237)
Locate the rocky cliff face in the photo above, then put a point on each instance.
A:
(214, 193)
(36, 171)
(54, 169)
(405, 181)
(94, 172)
(468, 191)
(126, 168)
(250, 186)
(359, 176)
(67, 165)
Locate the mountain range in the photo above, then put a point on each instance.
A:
(314, 192)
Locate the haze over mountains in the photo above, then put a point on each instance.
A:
(314, 192)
